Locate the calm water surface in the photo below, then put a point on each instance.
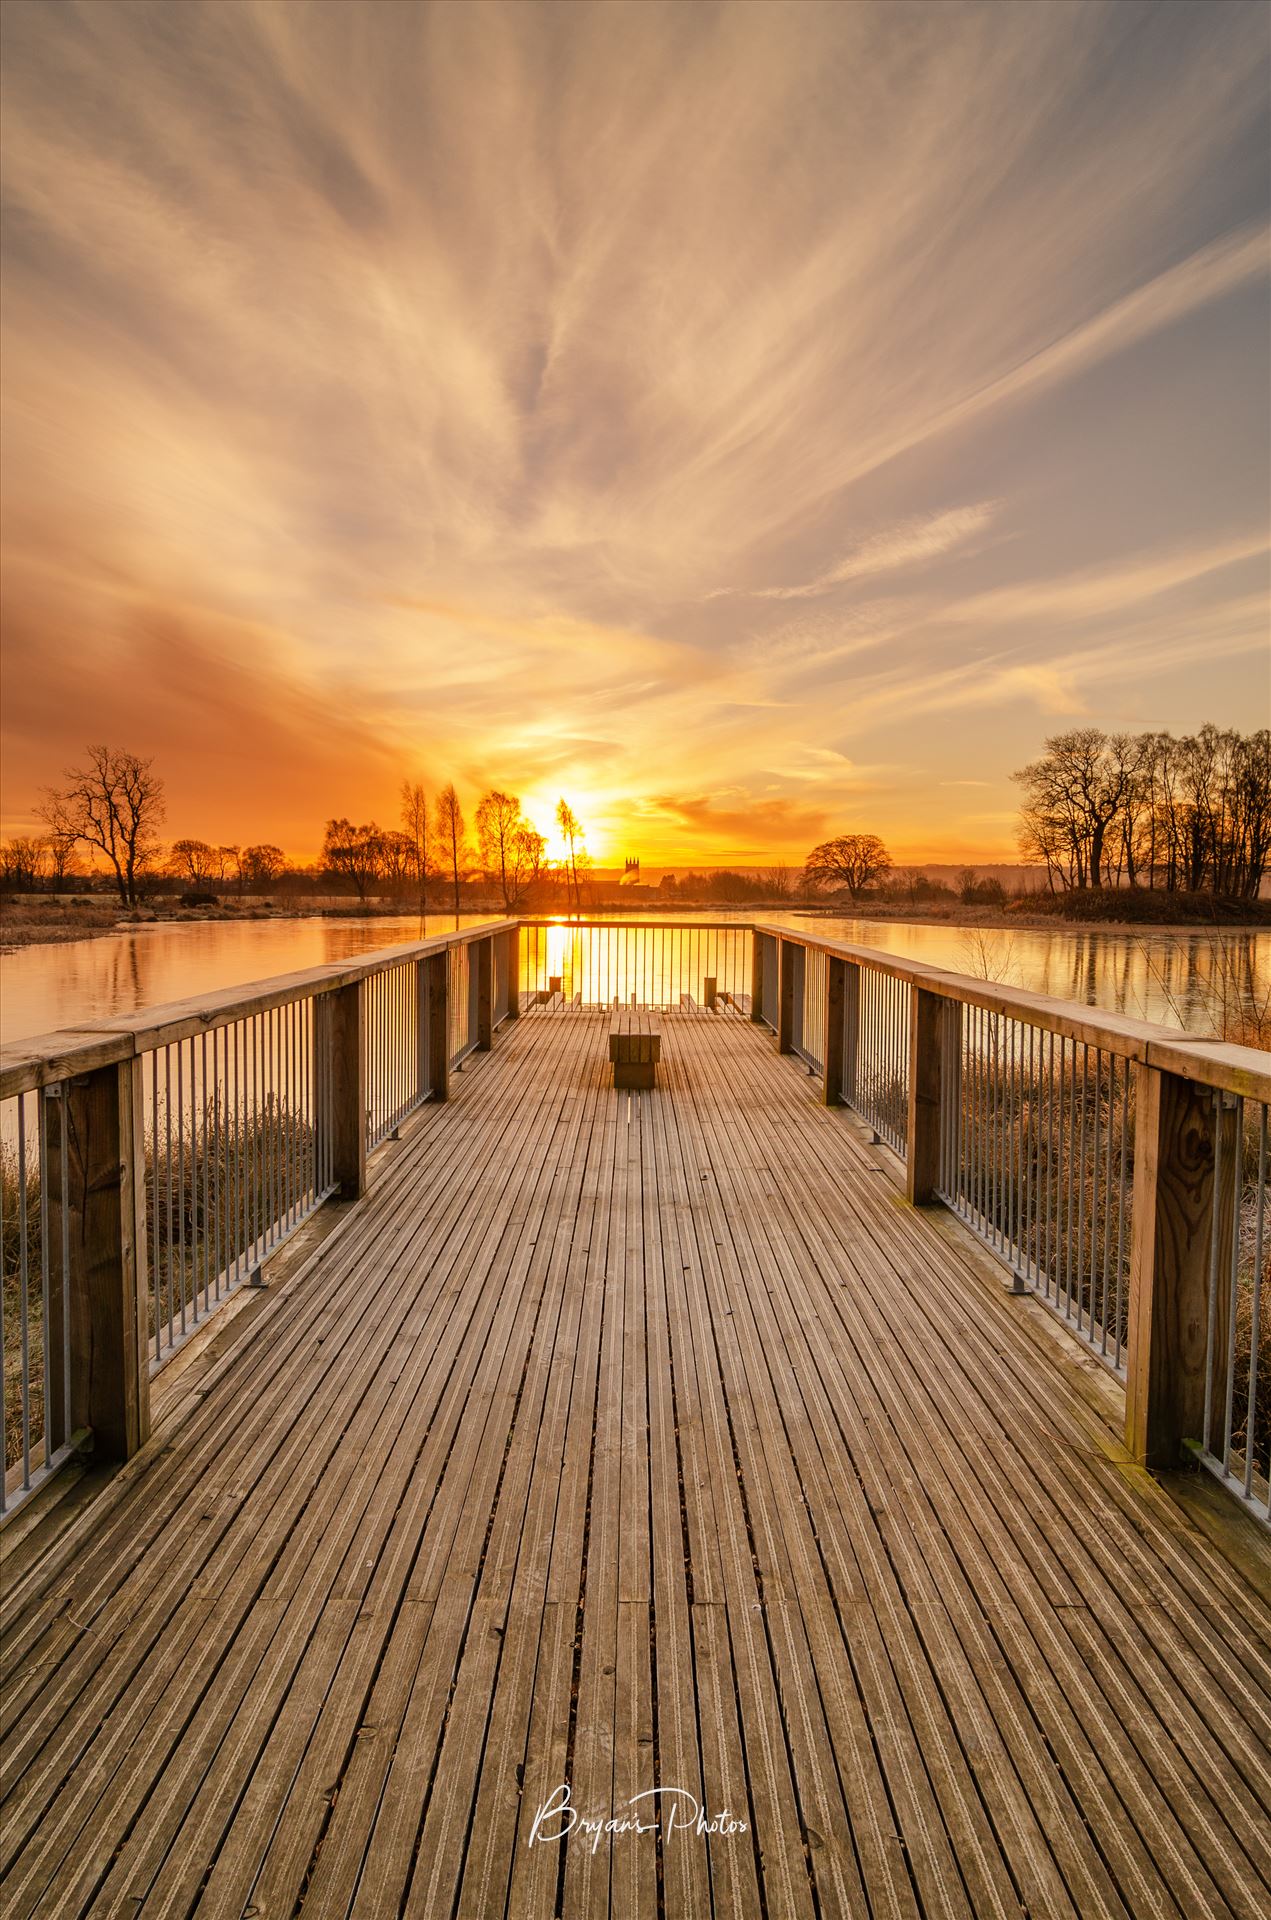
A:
(1207, 983)
(1211, 983)
(44, 988)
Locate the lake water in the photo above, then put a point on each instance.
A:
(1205, 982)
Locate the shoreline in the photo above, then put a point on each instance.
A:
(60, 925)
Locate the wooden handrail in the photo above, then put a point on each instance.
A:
(1213, 1063)
(46, 1058)
(1176, 1195)
(94, 1157)
(631, 926)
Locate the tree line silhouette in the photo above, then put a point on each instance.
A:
(1146, 811)
(1189, 815)
(113, 805)
(431, 848)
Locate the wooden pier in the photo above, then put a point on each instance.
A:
(637, 1441)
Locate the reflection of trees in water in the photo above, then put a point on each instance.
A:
(1213, 983)
(1209, 981)
(128, 974)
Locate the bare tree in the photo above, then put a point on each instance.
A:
(62, 863)
(499, 819)
(1253, 783)
(571, 832)
(113, 805)
(397, 859)
(1049, 829)
(853, 860)
(529, 849)
(354, 853)
(24, 861)
(1072, 796)
(194, 861)
(414, 817)
(510, 847)
(1185, 814)
(261, 865)
(1129, 757)
(450, 833)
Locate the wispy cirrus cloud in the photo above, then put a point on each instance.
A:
(1105, 592)
(431, 366)
(911, 544)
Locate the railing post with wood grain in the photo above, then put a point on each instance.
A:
(835, 1005)
(421, 1028)
(437, 969)
(851, 1032)
(513, 938)
(788, 955)
(757, 945)
(1177, 1211)
(55, 1115)
(927, 1052)
(342, 1103)
(483, 954)
(105, 1185)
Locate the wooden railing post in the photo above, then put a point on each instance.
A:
(1173, 1218)
(421, 1026)
(106, 1235)
(484, 956)
(787, 960)
(710, 992)
(926, 1077)
(54, 1115)
(1226, 1202)
(835, 1006)
(342, 1102)
(757, 945)
(437, 969)
(851, 1030)
(514, 973)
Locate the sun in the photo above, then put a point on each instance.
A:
(540, 808)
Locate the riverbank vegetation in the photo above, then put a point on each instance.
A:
(1150, 813)
(197, 1242)
(1117, 829)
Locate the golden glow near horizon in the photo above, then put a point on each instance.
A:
(540, 809)
(752, 422)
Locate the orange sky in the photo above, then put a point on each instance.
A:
(755, 422)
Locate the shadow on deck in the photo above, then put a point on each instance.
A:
(635, 1442)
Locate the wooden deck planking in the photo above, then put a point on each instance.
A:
(952, 1657)
(636, 1440)
(987, 1569)
(890, 1344)
(327, 1483)
(1137, 1648)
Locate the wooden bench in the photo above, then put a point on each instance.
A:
(635, 1047)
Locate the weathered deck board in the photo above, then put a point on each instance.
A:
(640, 1440)
(1180, 1754)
